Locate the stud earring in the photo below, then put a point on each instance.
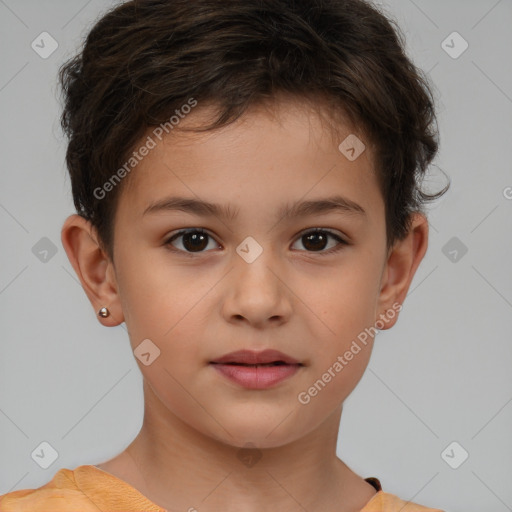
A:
(103, 312)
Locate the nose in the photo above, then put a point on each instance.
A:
(257, 292)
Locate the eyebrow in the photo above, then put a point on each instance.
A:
(336, 203)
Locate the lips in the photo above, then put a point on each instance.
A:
(256, 370)
(250, 358)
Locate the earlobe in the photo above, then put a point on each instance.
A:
(401, 265)
(92, 267)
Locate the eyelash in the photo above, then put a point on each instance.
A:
(333, 250)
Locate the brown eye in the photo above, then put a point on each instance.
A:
(317, 240)
(197, 240)
(193, 240)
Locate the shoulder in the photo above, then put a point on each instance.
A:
(58, 495)
(385, 502)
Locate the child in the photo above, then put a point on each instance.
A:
(211, 143)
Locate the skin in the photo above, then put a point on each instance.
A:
(293, 298)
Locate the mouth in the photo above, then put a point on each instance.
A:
(257, 370)
(274, 363)
(252, 358)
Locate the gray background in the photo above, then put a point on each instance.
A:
(442, 374)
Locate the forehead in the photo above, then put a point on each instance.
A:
(282, 150)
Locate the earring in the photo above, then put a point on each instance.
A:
(103, 312)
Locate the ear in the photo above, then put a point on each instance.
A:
(402, 261)
(93, 267)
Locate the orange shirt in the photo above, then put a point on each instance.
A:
(90, 489)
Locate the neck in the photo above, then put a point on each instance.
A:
(180, 468)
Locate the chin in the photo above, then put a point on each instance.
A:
(259, 435)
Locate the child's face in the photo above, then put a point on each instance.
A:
(297, 296)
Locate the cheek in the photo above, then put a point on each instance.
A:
(169, 306)
(345, 304)
(156, 296)
(346, 301)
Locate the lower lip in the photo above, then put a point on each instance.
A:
(257, 377)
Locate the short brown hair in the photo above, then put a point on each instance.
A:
(146, 58)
